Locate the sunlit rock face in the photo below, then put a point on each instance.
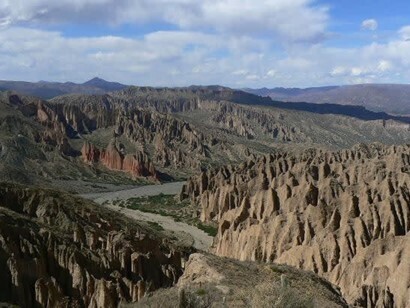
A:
(344, 215)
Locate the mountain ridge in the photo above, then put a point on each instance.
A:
(46, 89)
(390, 98)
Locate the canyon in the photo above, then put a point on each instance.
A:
(319, 197)
(61, 251)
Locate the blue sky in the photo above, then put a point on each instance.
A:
(237, 43)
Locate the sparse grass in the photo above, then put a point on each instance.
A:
(156, 226)
(201, 292)
(247, 285)
(210, 230)
(269, 295)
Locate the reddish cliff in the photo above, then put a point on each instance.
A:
(114, 158)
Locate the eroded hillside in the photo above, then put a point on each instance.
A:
(60, 251)
(161, 134)
(344, 215)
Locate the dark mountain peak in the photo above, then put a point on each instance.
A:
(104, 84)
(95, 81)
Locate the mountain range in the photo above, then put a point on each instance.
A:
(390, 98)
(47, 90)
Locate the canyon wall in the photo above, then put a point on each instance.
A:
(115, 158)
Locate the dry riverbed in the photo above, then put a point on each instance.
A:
(200, 240)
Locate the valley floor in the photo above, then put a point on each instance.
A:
(188, 234)
(141, 191)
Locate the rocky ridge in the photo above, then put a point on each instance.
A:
(210, 281)
(344, 215)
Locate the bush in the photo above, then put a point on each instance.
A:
(272, 295)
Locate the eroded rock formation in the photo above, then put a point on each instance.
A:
(344, 215)
(61, 251)
(114, 158)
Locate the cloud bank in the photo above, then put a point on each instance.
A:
(229, 42)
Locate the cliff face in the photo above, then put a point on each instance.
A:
(172, 143)
(114, 158)
(60, 251)
(344, 215)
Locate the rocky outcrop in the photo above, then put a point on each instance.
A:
(60, 251)
(211, 281)
(114, 158)
(176, 143)
(251, 123)
(344, 215)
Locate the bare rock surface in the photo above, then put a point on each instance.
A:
(344, 215)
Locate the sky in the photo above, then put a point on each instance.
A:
(235, 43)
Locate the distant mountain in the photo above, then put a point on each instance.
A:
(390, 98)
(47, 90)
(105, 85)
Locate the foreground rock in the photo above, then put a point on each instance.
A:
(344, 215)
(211, 281)
(61, 251)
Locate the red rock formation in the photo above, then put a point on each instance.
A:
(111, 157)
(138, 165)
(90, 153)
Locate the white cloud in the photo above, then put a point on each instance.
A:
(281, 18)
(252, 45)
(338, 71)
(271, 73)
(384, 66)
(370, 24)
(240, 72)
(405, 33)
(357, 71)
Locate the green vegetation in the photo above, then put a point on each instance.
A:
(210, 230)
(156, 226)
(168, 205)
(201, 292)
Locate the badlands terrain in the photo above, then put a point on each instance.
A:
(200, 197)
